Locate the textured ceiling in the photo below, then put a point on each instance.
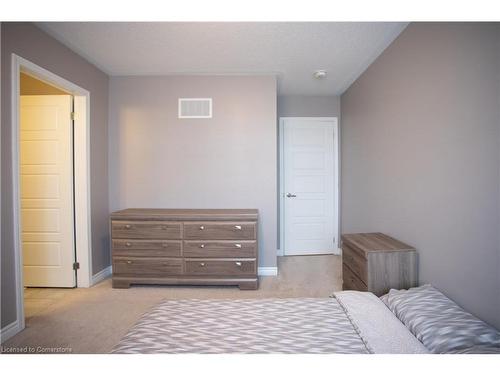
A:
(291, 50)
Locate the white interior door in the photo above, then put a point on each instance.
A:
(309, 163)
(46, 178)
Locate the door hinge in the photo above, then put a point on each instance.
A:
(73, 116)
(76, 266)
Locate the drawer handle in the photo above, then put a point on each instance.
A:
(202, 246)
(237, 227)
(202, 227)
(164, 244)
(127, 226)
(202, 264)
(129, 262)
(238, 245)
(128, 244)
(238, 264)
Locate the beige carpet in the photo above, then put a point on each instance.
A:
(93, 320)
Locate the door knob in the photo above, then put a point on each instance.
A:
(290, 195)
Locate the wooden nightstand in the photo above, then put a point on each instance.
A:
(375, 262)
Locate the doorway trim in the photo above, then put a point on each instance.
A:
(81, 172)
(336, 173)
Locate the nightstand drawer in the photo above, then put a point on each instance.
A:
(350, 281)
(355, 262)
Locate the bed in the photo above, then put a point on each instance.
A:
(409, 322)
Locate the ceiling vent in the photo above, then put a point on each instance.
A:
(195, 107)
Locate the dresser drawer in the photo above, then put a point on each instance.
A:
(355, 262)
(351, 281)
(146, 229)
(147, 248)
(146, 266)
(221, 267)
(220, 249)
(220, 231)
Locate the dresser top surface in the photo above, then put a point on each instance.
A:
(185, 214)
(373, 242)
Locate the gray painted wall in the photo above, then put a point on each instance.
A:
(229, 161)
(26, 40)
(420, 156)
(498, 109)
(308, 106)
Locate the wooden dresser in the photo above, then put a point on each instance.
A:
(172, 246)
(375, 262)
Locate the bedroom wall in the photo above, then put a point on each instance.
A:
(229, 161)
(308, 106)
(420, 156)
(26, 40)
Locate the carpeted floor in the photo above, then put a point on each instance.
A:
(93, 320)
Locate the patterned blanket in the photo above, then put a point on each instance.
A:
(293, 325)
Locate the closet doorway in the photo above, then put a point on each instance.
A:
(51, 182)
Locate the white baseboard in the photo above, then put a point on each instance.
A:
(10, 330)
(98, 277)
(338, 251)
(268, 271)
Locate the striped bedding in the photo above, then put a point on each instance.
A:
(292, 325)
(440, 324)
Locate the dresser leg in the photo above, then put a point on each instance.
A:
(120, 284)
(249, 285)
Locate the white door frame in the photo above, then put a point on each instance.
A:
(336, 174)
(81, 171)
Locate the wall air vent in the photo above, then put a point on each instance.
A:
(195, 107)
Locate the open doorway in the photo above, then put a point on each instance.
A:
(50, 125)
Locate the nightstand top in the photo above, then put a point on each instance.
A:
(374, 242)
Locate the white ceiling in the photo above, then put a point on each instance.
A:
(291, 50)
